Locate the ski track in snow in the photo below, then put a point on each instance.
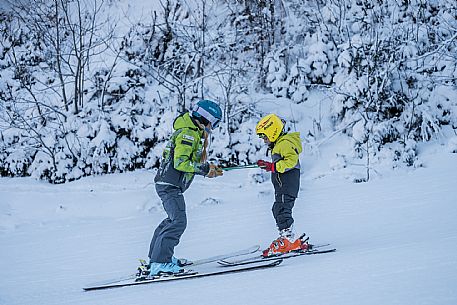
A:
(396, 239)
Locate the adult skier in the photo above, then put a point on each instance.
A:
(183, 158)
(285, 176)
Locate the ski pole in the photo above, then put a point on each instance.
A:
(240, 167)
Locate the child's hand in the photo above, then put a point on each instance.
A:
(268, 166)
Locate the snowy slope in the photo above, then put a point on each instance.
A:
(396, 238)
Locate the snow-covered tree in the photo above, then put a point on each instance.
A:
(76, 100)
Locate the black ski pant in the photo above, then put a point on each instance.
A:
(167, 234)
(282, 210)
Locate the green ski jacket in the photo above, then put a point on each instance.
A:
(181, 158)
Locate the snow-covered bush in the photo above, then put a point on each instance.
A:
(388, 67)
(396, 76)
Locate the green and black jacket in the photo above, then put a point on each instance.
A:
(181, 158)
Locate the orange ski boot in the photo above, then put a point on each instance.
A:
(283, 245)
(280, 246)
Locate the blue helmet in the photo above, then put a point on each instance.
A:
(207, 111)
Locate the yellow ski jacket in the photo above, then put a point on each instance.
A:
(285, 154)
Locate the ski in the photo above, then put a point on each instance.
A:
(115, 280)
(202, 261)
(256, 259)
(189, 275)
(216, 258)
(318, 246)
(313, 248)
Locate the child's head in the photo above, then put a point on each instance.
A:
(208, 113)
(269, 128)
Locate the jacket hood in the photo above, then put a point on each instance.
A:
(184, 121)
(294, 138)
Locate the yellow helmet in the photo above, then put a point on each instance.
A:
(271, 126)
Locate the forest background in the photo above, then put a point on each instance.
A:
(86, 89)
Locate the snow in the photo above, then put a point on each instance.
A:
(396, 234)
(396, 237)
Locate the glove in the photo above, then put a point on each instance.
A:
(214, 171)
(268, 166)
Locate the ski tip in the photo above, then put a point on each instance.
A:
(315, 246)
(277, 262)
(255, 248)
(327, 250)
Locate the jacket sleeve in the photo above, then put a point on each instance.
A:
(186, 147)
(289, 157)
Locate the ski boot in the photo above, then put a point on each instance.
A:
(148, 271)
(181, 262)
(158, 269)
(284, 245)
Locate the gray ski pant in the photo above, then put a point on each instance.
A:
(167, 234)
(282, 210)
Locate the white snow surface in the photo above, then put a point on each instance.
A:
(396, 238)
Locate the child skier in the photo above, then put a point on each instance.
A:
(285, 176)
(183, 158)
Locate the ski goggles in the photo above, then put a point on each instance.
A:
(262, 136)
(207, 115)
